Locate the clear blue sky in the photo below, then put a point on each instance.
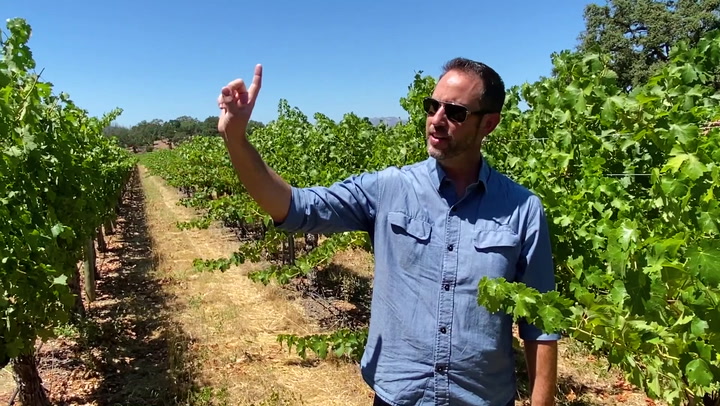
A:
(163, 59)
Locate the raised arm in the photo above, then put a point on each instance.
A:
(236, 103)
(347, 205)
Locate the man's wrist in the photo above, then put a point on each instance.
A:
(236, 139)
(542, 395)
(234, 134)
(542, 400)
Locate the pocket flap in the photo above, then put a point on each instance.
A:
(486, 239)
(415, 227)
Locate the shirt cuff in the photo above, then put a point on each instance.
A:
(532, 333)
(295, 216)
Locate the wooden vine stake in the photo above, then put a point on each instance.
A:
(291, 249)
(109, 226)
(90, 269)
(102, 247)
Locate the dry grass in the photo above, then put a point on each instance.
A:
(357, 260)
(7, 382)
(233, 322)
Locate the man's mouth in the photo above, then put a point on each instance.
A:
(436, 139)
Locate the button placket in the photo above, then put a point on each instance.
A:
(445, 309)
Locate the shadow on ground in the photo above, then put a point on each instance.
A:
(337, 297)
(128, 346)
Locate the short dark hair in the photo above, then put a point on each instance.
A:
(492, 98)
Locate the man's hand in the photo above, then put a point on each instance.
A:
(270, 191)
(237, 103)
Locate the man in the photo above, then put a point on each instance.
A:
(437, 227)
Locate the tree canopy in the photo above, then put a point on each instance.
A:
(143, 135)
(638, 34)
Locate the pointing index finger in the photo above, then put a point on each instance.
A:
(256, 83)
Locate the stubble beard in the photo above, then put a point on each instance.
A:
(452, 151)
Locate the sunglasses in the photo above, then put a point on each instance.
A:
(454, 112)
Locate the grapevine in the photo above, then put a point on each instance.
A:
(60, 180)
(629, 182)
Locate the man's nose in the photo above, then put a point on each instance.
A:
(439, 118)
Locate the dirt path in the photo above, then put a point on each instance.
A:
(233, 322)
(128, 350)
(160, 333)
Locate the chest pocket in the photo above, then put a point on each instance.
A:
(497, 251)
(411, 237)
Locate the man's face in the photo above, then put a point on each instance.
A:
(446, 138)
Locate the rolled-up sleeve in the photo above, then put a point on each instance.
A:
(536, 268)
(348, 205)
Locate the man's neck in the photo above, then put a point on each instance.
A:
(462, 172)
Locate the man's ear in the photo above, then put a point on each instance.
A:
(489, 122)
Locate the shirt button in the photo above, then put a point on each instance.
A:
(446, 286)
(450, 247)
(443, 330)
(440, 368)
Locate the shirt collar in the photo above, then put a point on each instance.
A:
(438, 175)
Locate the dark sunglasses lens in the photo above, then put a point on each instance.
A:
(431, 105)
(455, 113)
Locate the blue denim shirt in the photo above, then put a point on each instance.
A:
(429, 341)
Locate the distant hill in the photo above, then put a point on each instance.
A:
(390, 121)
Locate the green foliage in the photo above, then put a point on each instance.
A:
(318, 257)
(342, 343)
(640, 33)
(629, 182)
(59, 180)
